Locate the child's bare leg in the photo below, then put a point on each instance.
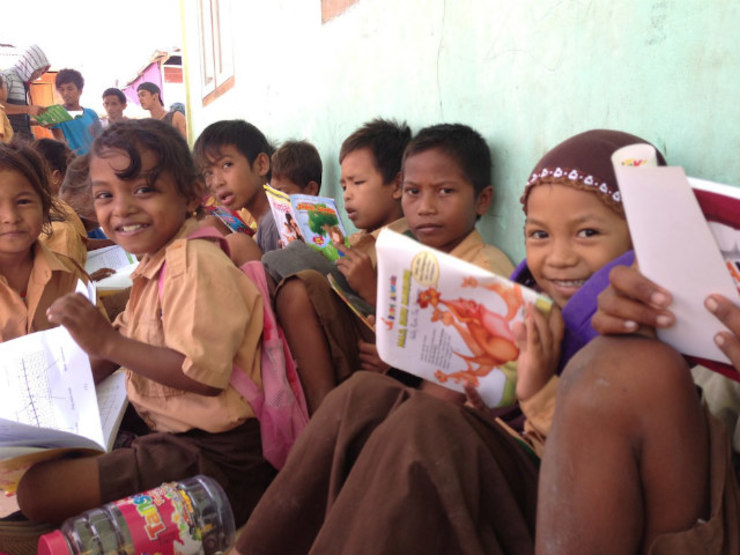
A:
(627, 457)
(308, 345)
(55, 490)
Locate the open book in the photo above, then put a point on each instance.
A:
(313, 220)
(448, 321)
(56, 113)
(114, 257)
(686, 234)
(49, 404)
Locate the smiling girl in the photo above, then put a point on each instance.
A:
(182, 332)
(31, 276)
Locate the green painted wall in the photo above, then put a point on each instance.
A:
(527, 74)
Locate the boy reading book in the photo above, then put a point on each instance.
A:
(322, 331)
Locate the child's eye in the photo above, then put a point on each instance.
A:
(144, 189)
(446, 191)
(227, 165)
(24, 201)
(587, 232)
(537, 234)
(102, 195)
(410, 191)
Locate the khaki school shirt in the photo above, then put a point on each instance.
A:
(472, 249)
(68, 237)
(51, 277)
(211, 313)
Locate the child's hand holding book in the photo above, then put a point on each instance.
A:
(539, 339)
(361, 275)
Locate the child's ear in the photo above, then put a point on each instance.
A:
(397, 188)
(483, 200)
(312, 188)
(262, 164)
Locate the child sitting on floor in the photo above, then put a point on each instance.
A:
(382, 468)
(181, 334)
(31, 276)
(323, 333)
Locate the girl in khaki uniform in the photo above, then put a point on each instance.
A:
(178, 339)
(31, 276)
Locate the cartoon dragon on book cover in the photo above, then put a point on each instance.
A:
(487, 334)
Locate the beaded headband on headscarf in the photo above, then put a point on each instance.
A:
(584, 162)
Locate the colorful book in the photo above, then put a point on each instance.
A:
(56, 113)
(685, 233)
(311, 219)
(449, 321)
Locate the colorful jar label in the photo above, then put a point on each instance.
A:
(160, 522)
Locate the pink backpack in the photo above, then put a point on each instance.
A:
(279, 404)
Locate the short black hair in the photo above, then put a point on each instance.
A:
(242, 135)
(386, 140)
(69, 76)
(22, 158)
(136, 136)
(298, 161)
(461, 143)
(113, 91)
(56, 153)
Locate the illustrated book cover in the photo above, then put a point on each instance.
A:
(449, 321)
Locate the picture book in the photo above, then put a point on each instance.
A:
(230, 219)
(313, 220)
(448, 321)
(56, 113)
(685, 235)
(49, 404)
(356, 304)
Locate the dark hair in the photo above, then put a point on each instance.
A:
(298, 161)
(20, 157)
(152, 89)
(136, 136)
(77, 178)
(245, 137)
(56, 153)
(461, 143)
(113, 91)
(1, 80)
(386, 140)
(69, 76)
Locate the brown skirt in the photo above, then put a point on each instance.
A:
(386, 469)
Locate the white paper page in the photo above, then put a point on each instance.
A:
(112, 402)
(118, 281)
(676, 249)
(108, 257)
(46, 382)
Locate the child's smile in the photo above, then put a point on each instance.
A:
(569, 235)
(140, 217)
(21, 214)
